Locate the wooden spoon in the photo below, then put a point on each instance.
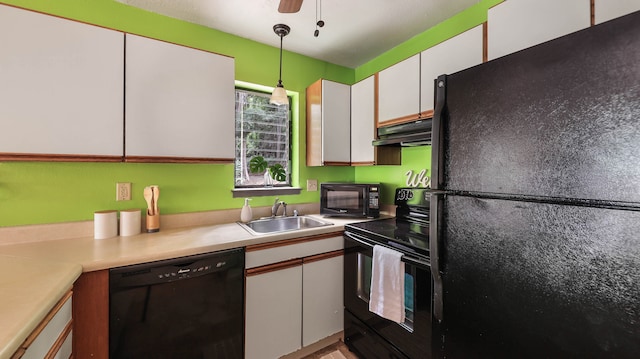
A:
(156, 195)
(148, 196)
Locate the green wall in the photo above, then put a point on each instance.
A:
(33, 192)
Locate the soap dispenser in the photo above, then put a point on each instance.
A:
(246, 214)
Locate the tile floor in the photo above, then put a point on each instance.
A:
(335, 351)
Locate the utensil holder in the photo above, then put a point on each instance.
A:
(153, 222)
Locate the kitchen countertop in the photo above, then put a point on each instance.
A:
(30, 288)
(35, 275)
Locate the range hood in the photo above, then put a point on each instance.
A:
(416, 133)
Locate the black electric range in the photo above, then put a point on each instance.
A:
(366, 333)
(408, 231)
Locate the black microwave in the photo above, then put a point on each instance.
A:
(350, 199)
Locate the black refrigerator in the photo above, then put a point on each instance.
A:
(535, 211)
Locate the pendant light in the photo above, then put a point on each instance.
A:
(279, 95)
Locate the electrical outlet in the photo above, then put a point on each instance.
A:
(312, 185)
(123, 191)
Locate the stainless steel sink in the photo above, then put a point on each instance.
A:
(282, 224)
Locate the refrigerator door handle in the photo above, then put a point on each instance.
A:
(437, 154)
(434, 252)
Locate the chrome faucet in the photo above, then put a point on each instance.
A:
(276, 205)
(274, 208)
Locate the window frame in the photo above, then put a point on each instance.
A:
(294, 149)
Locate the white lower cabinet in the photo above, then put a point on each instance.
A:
(296, 301)
(322, 298)
(273, 313)
(53, 337)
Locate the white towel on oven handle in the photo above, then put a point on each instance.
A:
(387, 284)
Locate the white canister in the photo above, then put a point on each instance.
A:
(105, 224)
(130, 222)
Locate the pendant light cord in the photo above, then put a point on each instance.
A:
(280, 77)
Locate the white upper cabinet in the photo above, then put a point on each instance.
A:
(399, 92)
(328, 124)
(455, 54)
(518, 24)
(363, 122)
(61, 86)
(606, 10)
(336, 125)
(179, 102)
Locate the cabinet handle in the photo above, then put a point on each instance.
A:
(321, 256)
(273, 267)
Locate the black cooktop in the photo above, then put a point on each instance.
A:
(413, 237)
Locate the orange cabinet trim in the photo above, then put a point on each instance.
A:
(273, 267)
(286, 242)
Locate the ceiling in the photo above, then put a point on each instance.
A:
(355, 31)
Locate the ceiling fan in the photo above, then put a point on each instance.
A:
(289, 6)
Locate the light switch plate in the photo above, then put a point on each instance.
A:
(312, 185)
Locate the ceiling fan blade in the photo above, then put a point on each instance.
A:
(289, 6)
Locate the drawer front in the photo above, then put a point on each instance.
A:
(51, 333)
(298, 249)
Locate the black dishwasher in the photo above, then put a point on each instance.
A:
(188, 307)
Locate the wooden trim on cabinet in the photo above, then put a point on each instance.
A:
(273, 267)
(286, 242)
(593, 12)
(314, 124)
(485, 41)
(399, 120)
(369, 163)
(169, 159)
(426, 114)
(55, 348)
(19, 353)
(46, 320)
(322, 256)
(44, 157)
(91, 315)
(376, 103)
(335, 163)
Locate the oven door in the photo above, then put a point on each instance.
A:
(413, 337)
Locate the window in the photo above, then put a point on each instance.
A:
(263, 132)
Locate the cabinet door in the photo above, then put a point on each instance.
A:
(606, 10)
(328, 123)
(336, 123)
(399, 92)
(179, 102)
(453, 55)
(322, 297)
(61, 86)
(363, 122)
(516, 25)
(273, 312)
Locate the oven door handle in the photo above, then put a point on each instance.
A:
(405, 258)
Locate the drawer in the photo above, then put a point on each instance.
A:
(279, 251)
(52, 338)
